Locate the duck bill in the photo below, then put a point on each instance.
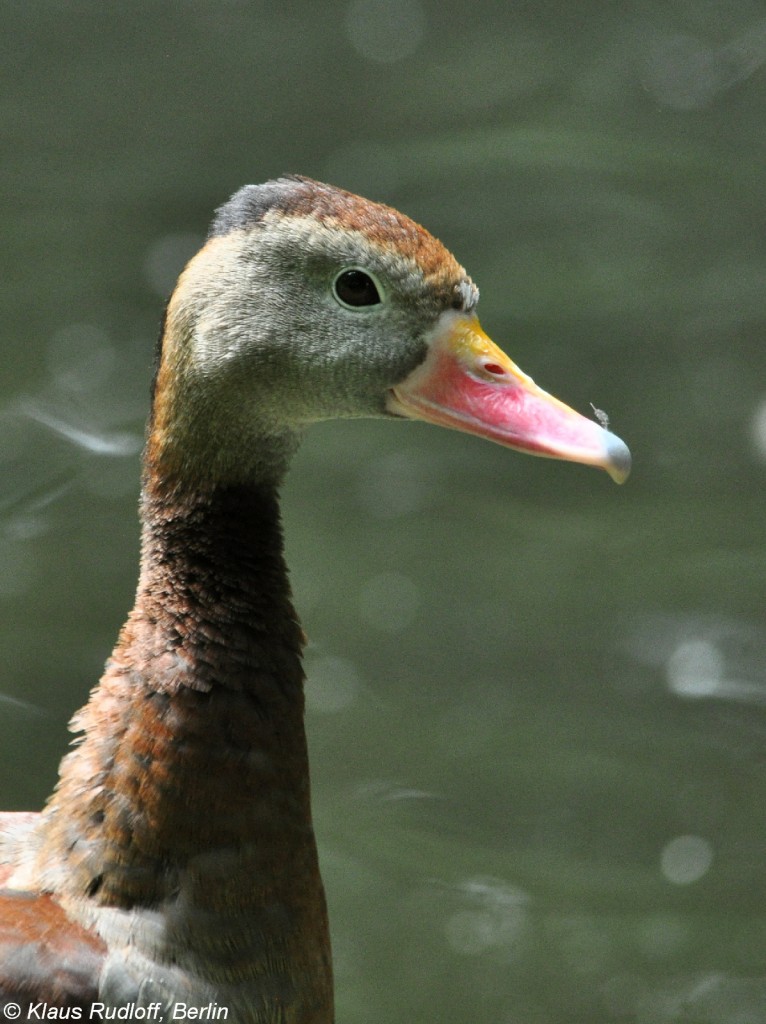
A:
(466, 382)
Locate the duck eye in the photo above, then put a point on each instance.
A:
(355, 288)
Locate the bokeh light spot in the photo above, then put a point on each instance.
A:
(686, 859)
(385, 31)
(758, 428)
(397, 484)
(695, 669)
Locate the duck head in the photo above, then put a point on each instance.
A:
(309, 303)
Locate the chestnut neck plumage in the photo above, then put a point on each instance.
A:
(190, 787)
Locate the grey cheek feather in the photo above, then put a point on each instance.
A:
(287, 355)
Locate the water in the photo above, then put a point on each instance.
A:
(536, 700)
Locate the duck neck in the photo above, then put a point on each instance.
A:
(213, 612)
(191, 784)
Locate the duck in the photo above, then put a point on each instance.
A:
(173, 873)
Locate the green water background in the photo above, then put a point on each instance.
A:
(536, 700)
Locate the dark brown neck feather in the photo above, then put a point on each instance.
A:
(192, 774)
(213, 608)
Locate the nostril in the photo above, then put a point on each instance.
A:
(495, 369)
